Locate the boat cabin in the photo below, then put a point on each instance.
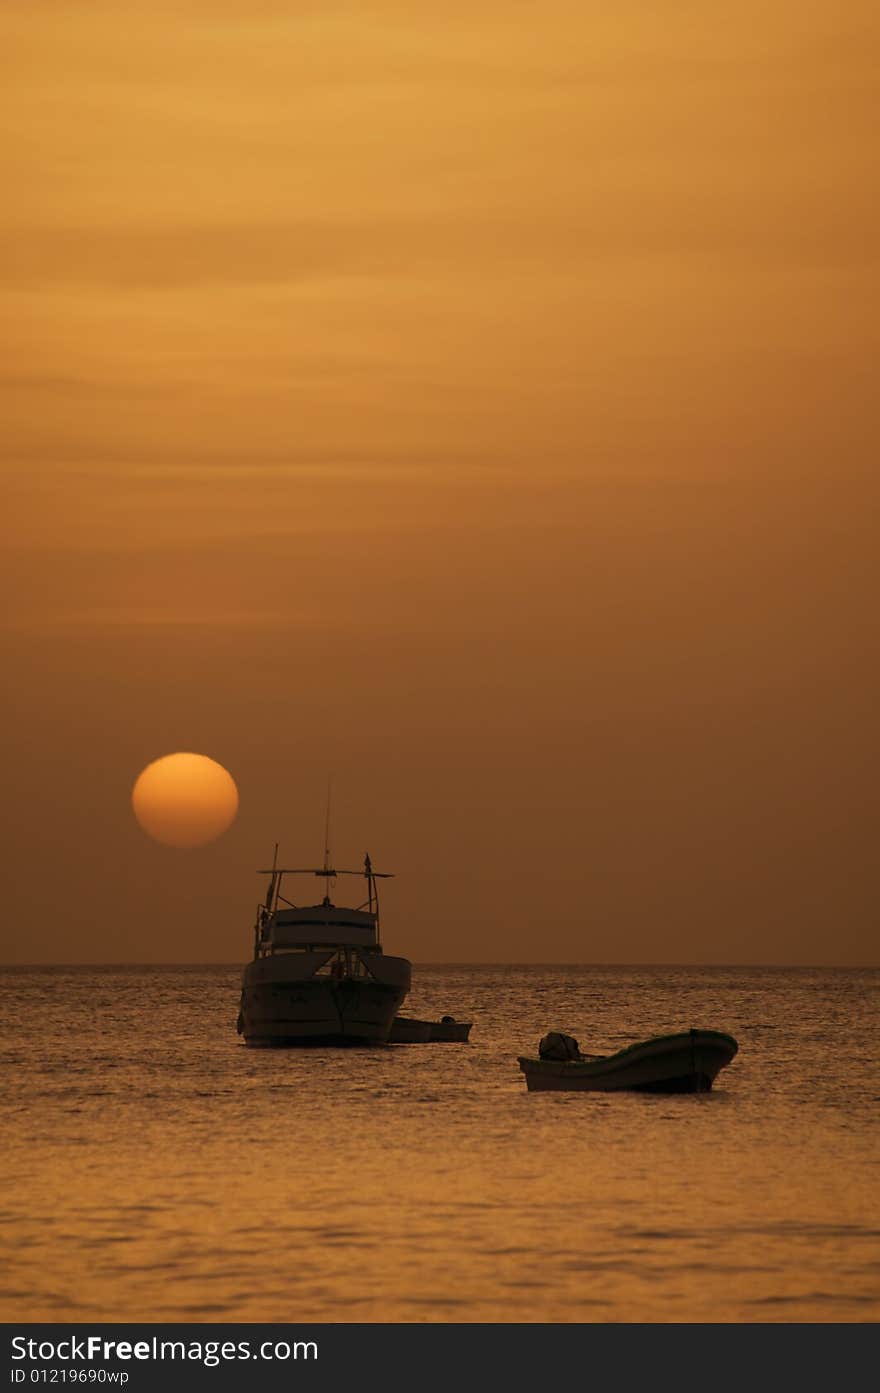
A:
(284, 927)
(317, 925)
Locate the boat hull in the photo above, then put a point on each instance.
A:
(318, 1012)
(684, 1063)
(406, 1031)
(450, 1032)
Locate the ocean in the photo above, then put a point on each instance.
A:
(156, 1169)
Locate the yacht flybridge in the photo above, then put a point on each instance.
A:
(318, 974)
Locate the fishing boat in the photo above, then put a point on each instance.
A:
(318, 975)
(685, 1063)
(405, 1030)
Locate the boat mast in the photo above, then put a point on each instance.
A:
(272, 885)
(326, 868)
(264, 910)
(372, 891)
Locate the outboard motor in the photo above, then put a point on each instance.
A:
(555, 1045)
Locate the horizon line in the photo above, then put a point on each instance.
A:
(488, 962)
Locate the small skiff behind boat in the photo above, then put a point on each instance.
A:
(684, 1063)
(448, 1029)
(407, 1031)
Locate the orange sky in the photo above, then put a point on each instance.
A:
(474, 404)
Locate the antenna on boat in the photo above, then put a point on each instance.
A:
(368, 872)
(272, 878)
(327, 869)
(327, 825)
(264, 910)
(373, 889)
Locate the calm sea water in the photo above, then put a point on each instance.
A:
(157, 1169)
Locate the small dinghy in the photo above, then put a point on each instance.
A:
(406, 1031)
(449, 1029)
(685, 1063)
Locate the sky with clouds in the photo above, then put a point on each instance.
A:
(473, 402)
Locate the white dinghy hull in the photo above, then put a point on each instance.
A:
(685, 1063)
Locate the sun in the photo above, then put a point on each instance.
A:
(185, 799)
